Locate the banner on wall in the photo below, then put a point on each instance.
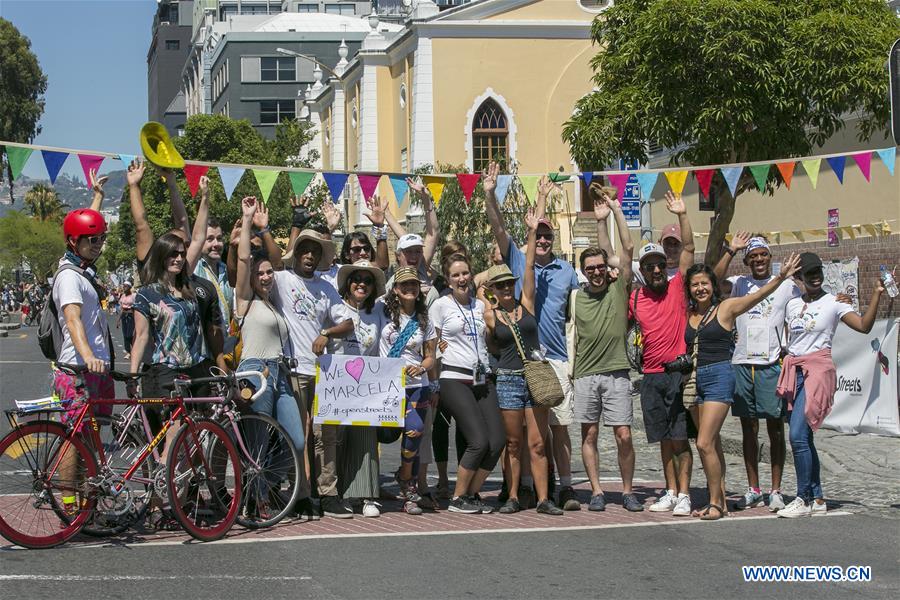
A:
(866, 397)
(359, 390)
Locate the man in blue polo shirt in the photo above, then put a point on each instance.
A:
(554, 278)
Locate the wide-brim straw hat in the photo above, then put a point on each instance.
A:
(310, 234)
(345, 271)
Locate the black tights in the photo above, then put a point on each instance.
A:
(440, 437)
(478, 417)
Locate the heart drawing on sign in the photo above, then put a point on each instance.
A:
(355, 368)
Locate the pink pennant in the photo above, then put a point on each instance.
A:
(864, 160)
(90, 162)
(368, 184)
(193, 173)
(619, 181)
(704, 179)
(467, 183)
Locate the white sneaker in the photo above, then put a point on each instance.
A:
(797, 508)
(818, 510)
(776, 501)
(665, 503)
(683, 506)
(371, 509)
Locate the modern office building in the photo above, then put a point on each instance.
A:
(169, 47)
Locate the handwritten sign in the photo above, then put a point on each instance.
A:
(359, 390)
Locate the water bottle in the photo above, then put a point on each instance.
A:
(890, 284)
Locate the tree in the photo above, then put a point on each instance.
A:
(731, 81)
(22, 87)
(30, 242)
(43, 203)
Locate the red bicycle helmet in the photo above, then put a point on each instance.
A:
(83, 221)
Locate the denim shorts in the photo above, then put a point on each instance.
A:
(715, 383)
(512, 391)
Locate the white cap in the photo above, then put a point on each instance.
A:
(408, 241)
(651, 248)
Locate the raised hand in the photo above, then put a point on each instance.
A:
(489, 177)
(545, 186)
(602, 202)
(419, 188)
(790, 266)
(135, 172)
(97, 183)
(235, 237)
(675, 204)
(377, 207)
(531, 219)
(204, 186)
(331, 215)
(301, 201)
(740, 240)
(248, 207)
(261, 216)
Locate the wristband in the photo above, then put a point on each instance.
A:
(262, 232)
(301, 217)
(730, 251)
(379, 232)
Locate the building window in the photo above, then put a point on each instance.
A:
(272, 112)
(307, 8)
(404, 162)
(173, 45)
(273, 68)
(402, 95)
(595, 6)
(340, 9)
(490, 136)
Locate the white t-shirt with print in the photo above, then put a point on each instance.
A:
(367, 327)
(462, 327)
(308, 305)
(72, 288)
(330, 275)
(413, 352)
(811, 325)
(760, 329)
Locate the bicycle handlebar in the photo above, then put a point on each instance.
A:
(75, 369)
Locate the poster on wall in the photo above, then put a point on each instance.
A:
(842, 277)
(834, 222)
(865, 400)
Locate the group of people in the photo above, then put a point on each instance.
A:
(465, 338)
(26, 298)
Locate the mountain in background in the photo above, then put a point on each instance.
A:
(71, 190)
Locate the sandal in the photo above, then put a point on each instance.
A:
(428, 501)
(708, 516)
(699, 512)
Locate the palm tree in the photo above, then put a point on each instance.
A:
(43, 203)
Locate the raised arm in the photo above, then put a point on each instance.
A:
(431, 225)
(738, 242)
(677, 207)
(863, 323)
(602, 209)
(495, 217)
(528, 286)
(261, 227)
(198, 238)
(97, 189)
(243, 290)
(179, 213)
(231, 257)
(143, 234)
(626, 246)
(732, 307)
(300, 218)
(378, 209)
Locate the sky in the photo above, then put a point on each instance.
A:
(94, 54)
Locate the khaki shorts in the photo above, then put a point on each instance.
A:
(604, 394)
(564, 414)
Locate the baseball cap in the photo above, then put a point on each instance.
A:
(809, 261)
(409, 240)
(650, 249)
(545, 221)
(672, 230)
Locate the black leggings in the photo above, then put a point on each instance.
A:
(478, 417)
(440, 437)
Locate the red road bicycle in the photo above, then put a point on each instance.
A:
(53, 477)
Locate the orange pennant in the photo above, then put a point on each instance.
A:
(787, 171)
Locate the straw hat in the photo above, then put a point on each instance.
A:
(310, 234)
(345, 271)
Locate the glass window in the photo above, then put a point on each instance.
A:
(307, 8)
(173, 45)
(340, 9)
(490, 136)
(272, 112)
(272, 68)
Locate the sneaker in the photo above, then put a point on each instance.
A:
(797, 508)
(665, 503)
(510, 506)
(503, 496)
(776, 501)
(486, 509)
(408, 490)
(331, 506)
(526, 497)
(371, 509)
(464, 504)
(411, 508)
(631, 503)
(751, 499)
(305, 511)
(597, 503)
(548, 508)
(682, 506)
(818, 510)
(568, 500)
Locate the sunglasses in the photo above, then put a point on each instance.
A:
(502, 285)
(180, 253)
(362, 279)
(654, 266)
(545, 236)
(96, 239)
(592, 268)
(360, 249)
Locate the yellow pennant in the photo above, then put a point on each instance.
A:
(435, 185)
(676, 181)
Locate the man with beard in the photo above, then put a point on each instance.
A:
(660, 309)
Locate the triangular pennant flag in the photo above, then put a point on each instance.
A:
(557, 177)
(619, 181)
(193, 173)
(888, 157)
(588, 177)
(368, 184)
(467, 183)
(90, 162)
(300, 181)
(850, 231)
(837, 165)
(127, 159)
(732, 176)
(647, 181)
(676, 181)
(503, 183)
(54, 162)
(864, 160)
(400, 187)
(787, 171)
(811, 167)
(435, 185)
(760, 175)
(704, 179)
(529, 185)
(17, 156)
(335, 183)
(230, 177)
(265, 179)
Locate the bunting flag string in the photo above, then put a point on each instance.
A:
(265, 179)
(435, 185)
(300, 181)
(368, 184)
(193, 173)
(127, 159)
(879, 229)
(503, 183)
(888, 157)
(400, 187)
(647, 181)
(704, 179)
(760, 175)
(812, 170)
(18, 156)
(864, 162)
(837, 165)
(676, 181)
(230, 177)
(588, 177)
(732, 176)
(529, 186)
(787, 171)
(335, 182)
(619, 181)
(467, 183)
(54, 162)
(90, 162)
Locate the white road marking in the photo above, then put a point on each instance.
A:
(44, 577)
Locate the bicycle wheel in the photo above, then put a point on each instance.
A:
(271, 471)
(33, 513)
(203, 474)
(117, 511)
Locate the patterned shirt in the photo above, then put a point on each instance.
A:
(175, 327)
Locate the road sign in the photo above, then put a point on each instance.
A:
(631, 202)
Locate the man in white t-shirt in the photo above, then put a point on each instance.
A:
(315, 313)
(757, 363)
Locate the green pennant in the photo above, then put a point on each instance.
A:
(557, 177)
(18, 156)
(265, 179)
(300, 181)
(760, 174)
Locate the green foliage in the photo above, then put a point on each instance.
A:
(26, 240)
(721, 81)
(22, 87)
(116, 253)
(43, 203)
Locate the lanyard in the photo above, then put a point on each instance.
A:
(473, 333)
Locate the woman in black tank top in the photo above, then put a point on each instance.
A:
(511, 332)
(710, 331)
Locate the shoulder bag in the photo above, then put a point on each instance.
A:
(543, 385)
